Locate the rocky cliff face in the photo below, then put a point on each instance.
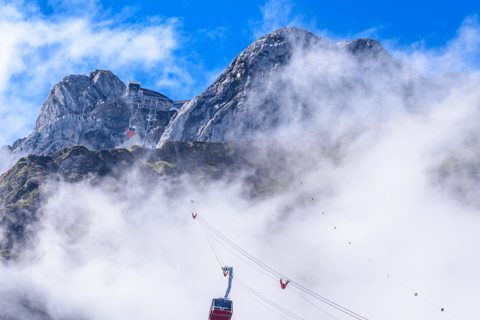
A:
(252, 98)
(70, 115)
(245, 100)
(80, 94)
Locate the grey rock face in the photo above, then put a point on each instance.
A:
(244, 101)
(80, 94)
(79, 110)
(65, 132)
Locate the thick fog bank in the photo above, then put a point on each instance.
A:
(376, 213)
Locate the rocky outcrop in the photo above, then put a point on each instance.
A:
(244, 101)
(79, 110)
(80, 94)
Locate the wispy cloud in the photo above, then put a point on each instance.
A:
(277, 14)
(214, 34)
(38, 50)
(117, 255)
(460, 54)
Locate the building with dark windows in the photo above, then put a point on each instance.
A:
(139, 96)
(151, 112)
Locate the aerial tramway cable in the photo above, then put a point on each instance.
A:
(268, 275)
(210, 239)
(276, 273)
(210, 230)
(214, 234)
(214, 249)
(266, 300)
(239, 257)
(188, 206)
(313, 304)
(264, 305)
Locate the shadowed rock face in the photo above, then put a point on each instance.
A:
(24, 186)
(238, 104)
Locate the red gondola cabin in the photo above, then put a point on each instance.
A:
(131, 132)
(221, 309)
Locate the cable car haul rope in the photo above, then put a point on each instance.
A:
(222, 308)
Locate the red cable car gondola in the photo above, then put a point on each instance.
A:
(131, 130)
(222, 308)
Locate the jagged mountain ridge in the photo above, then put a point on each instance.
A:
(79, 94)
(89, 110)
(65, 118)
(92, 110)
(236, 107)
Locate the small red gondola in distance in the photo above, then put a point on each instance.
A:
(131, 130)
(222, 308)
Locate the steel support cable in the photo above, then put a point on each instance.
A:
(189, 207)
(207, 235)
(266, 274)
(240, 250)
(214, 248)
(182, 168)
(246, 288)
(180, 163)
(313, 304)
(276, 273)
(263, 303)
(253, 297)
(326, 301)
(219, 259)
(205, 224)
(194, 209)
(270, 302)
(223, 245)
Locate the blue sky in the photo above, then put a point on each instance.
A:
(180, 47)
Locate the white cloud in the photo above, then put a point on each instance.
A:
(37, 51)
(277, 14)
(214, 34)
(138, 254)
(460, 54)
